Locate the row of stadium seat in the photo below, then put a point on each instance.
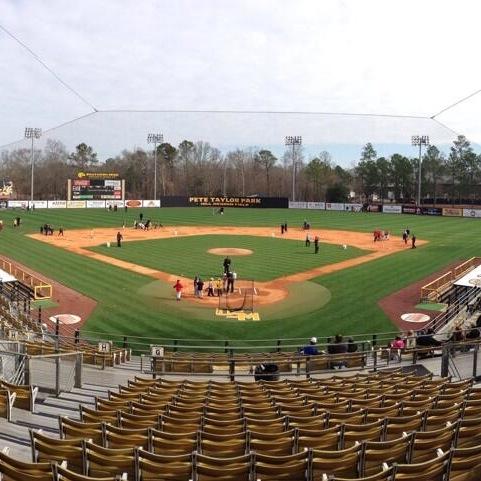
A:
(301, 429)
(409, 455)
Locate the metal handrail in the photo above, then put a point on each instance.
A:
(19, 372)
(40, 356)
(452, 311)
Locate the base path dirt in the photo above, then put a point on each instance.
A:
(78, 241)
(68, 300)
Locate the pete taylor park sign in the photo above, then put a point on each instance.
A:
(213, 201)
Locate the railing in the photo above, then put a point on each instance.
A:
(41, 289)
(461, 361)
(296, 365)
(454, 309)
(52, 373)
(10, 364)
(142, 345)
(432, 290)
(466, 266)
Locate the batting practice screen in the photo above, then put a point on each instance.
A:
(95, 189)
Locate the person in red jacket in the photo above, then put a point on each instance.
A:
(178, 289)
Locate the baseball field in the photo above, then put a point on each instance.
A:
(299, 293)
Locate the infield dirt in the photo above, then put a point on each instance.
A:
(78, 241)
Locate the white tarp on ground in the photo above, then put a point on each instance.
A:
(471, 279)
(6, 277)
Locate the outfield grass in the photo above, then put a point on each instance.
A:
(355, 292)
(188, 256)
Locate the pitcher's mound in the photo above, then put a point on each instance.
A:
(230, 251)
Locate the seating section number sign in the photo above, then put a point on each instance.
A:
(104, 346)
(156, 351)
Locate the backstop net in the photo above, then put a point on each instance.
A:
(241, 298)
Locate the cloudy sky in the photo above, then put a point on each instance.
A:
(409, 58)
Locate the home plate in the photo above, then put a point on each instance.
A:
(415, 317)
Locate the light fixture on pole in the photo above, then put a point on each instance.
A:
(293, 140)
(419, 140)
(155, 139)
(32, 133)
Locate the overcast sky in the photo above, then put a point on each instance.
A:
(411, 57)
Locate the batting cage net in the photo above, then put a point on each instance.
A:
(240, 299)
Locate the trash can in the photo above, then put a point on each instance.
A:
(266, 372)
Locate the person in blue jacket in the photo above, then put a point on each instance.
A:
(311, 348)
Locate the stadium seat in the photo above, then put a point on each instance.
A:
(161, 442)
(435, 469)
(93, 416)
(63, 474)
(70, 428)
(208, 468)
(344, 462)
(427, 442)
(469, 433)
(273, 444)
(47, 449)
(132, 421)
(396, 426)
(13, 470)
(118, 438)
(295, 467)
(323, 439)
(356, 433)
(106, 462)
(375, 453)
(7, 400)
(384, 475)
(25, 395)
(150, 466)
(465, 464)
(223, 445)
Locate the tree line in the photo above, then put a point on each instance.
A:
(198, 168)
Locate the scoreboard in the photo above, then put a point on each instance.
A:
(96, 189)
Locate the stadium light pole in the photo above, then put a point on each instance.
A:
(419, 140)
(32, 133)
(293, 140)
(155, 139)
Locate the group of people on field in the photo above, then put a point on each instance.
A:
(47, 229)
(215, 287)
(407, 234)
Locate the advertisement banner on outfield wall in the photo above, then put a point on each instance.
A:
(96, 204)
(353, 207)
(452, 212)
(315, 205)
(373, 208)
(133, 203)
(297, 205)
(471, 212)
(76, 204)
(118, 203)
(151, 203)
(16, 204)
(334, 206)
(38, 204)
(431, 211)
(57, 204)
(392, 209)
(411, 209)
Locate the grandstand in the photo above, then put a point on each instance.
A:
(383, 416)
